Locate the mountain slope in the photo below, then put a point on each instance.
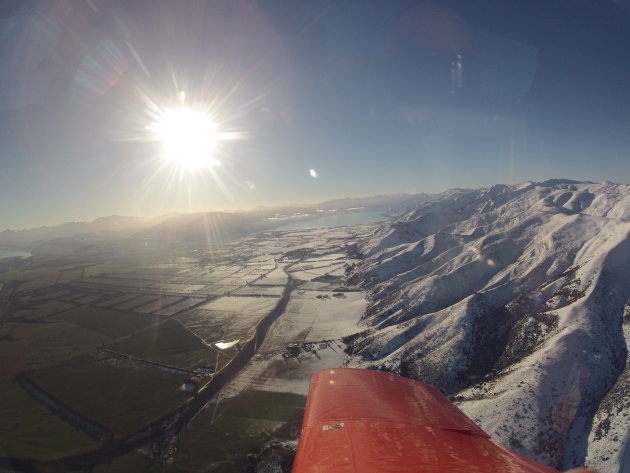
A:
(512, 299)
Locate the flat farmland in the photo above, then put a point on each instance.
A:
(202, 279)
(240, 305)
(312, 316)
(169, 343)
(158, 304)
(335, 314)
(37, 279)
(115, 266)
(33, 345)
(119, 299)
(258, 412)
(338, 273)
(121, 396)
(170, 308)
(204, 449)
(229, 317)
(220, 272)
(254, 271)
(238, 280)
(204, 325)
(330, 258)
(181, 288)
(77, 294)
(44, 309)
(133, 461)
(28, 429)
(52, 293)
(108, 322)
(136, 276)
(159, 270)
(261, 268)
(267, 281)
(287, 372)
(221, 289)
(310, 272)
(116, 281)
(68, 275)
(137, 302)
(216, 441)
(179, 306)
(88, 299)
(265, 291)
(191, 276)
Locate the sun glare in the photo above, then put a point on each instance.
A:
(189, 138)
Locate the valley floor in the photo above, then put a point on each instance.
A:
(122, 348)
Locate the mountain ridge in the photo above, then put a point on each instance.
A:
(120, 226)
(512, 299)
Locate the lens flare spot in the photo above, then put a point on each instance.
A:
(101, 69)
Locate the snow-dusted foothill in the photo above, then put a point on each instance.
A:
(511, 299)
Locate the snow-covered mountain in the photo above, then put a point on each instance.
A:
(514, 301)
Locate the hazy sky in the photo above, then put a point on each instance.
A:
(375, 97)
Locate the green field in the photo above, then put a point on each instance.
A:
(170, 343)
(34, 279)
(121, 396)
(214, 451)
(241, 425)
(258, 412)
(167, 339)
(13, 275)
(132, 462)
(113, 266)
(28, 429)
(107, 322)
(30, 346)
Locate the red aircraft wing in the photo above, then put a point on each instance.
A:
(360, 421)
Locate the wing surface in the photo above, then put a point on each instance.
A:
(363, 421)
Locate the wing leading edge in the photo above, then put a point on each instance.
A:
(360, 421)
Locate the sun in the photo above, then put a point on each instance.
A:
(189, 137)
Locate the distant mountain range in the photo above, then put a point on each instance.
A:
(103, 227)
(515, 301)
(390, 202)
(186, 226)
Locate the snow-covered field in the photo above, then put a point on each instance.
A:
(307, 336)
(512, 299)
(313, 316)
(228, 318)
(292, 374)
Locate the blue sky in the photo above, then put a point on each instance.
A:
(365, 93)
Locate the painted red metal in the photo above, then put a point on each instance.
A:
(362, 421)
